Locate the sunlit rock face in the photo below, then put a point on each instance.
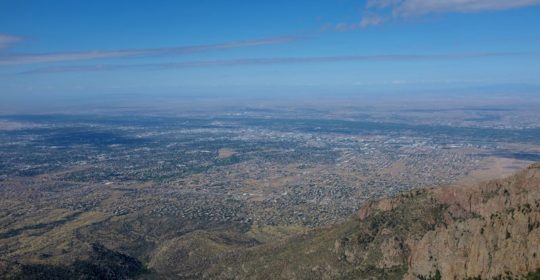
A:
(491, 230)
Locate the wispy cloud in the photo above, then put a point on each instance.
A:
(371, 19)
(366, 21)
(410, 8)
(7, 40)
(377, 12)
(76, 56)
(271, 61)
(421, 7)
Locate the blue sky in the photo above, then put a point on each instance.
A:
(88, 48)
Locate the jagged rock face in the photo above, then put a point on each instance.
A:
(491, 230)
(466, 232)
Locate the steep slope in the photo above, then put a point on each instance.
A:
(99, 263)
(487, 231)
(491, 230)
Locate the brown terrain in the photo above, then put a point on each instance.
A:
(488, 230)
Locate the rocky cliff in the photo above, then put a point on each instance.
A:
(489, 230)
(485, 231)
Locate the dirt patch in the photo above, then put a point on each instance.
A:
(226, 153)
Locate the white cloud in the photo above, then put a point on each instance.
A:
(407, 8)
(377, 12)
(7, 40)
(14, 58)
(420, 7)
(366, 21)
(382, 3)
(273, 61)
(370, 20)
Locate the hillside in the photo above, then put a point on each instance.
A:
(486, 231)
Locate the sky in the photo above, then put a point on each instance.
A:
(74, 49)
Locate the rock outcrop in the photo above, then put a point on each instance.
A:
(485, 231)
(490, 230)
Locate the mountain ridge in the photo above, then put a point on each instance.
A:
(487, 231)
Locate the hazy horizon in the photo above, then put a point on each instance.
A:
(86, 53)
